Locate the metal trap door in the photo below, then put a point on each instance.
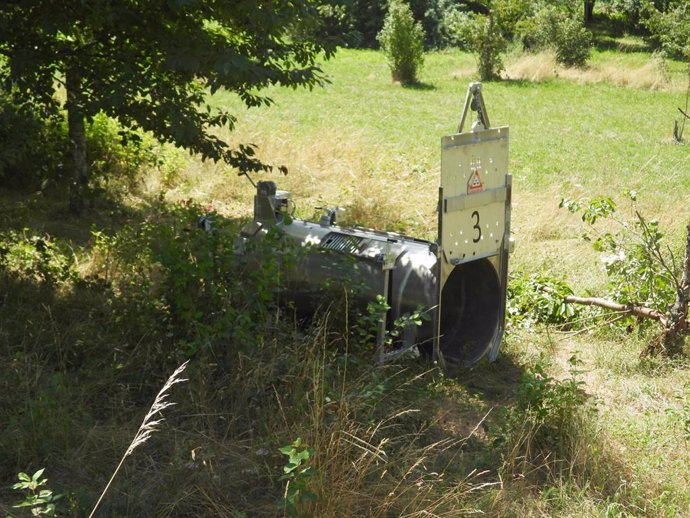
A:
(475, 204)
(474, 239)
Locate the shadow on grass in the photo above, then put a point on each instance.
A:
(419, 85)
(520, 83)
(604, 42)
(614, 34)
(522, 458)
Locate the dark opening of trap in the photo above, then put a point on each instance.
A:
(470, 312)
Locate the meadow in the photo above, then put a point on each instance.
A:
(566, 423)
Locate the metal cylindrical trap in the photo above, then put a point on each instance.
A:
(460, 280)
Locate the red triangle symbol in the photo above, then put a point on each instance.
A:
(475, 183)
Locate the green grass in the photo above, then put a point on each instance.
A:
(88, 356)
(570, 138)
(363, 136)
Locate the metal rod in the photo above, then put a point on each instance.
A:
(436, 354)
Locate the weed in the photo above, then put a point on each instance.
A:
(297, 473)
(550, 430)
(39, 499)
(369, 325)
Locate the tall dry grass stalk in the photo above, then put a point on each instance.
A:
(148, 426)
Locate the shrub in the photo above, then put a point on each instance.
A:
(29, 255)
(33, 147)
(670, 30)
(559, 31)
(640, 266)
(457, 29)
(490, 45)
(120, 158)
(444, 22)
(402, 42)
(551, 430)
(573, 43)
(30, 145)
(626, 12)
(488, 42)
(539, 31)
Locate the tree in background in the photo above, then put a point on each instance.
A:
(555, 28)
(588, 11)
(669, 26)
(489, 44)
(152, 65)
(402, 42)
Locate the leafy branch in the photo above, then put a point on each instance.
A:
(645, 279)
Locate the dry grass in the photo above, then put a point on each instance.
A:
(325, 170)
(376, 453)
(543, 67)
(382, 464)
(151, 423)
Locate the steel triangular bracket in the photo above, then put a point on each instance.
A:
(475, 101)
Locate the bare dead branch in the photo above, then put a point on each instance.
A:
(627, 309)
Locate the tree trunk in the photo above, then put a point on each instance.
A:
(77, 164)
(589, 11)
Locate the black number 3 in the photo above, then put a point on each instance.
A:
(476, 226)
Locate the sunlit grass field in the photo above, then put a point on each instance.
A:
(403, 440)
(373, 147)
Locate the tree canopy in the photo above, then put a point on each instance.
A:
(152, 63)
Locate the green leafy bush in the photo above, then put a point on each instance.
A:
(551, 429)
(489, 43)
(33, 143)
(30, 145)
(538, 32)
(626, 12)
(445, 23)
(457, 27)
(640, 269)
(669, 28)
(402, 42)
(538, 298)
(190, 283)
(31, 255)
(573, 43)
(557, 30)
(119, 158)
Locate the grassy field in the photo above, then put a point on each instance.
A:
(398, 441)
(574, 140)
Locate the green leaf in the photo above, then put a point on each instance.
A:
(38, 474)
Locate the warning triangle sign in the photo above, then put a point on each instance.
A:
(475, 183)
